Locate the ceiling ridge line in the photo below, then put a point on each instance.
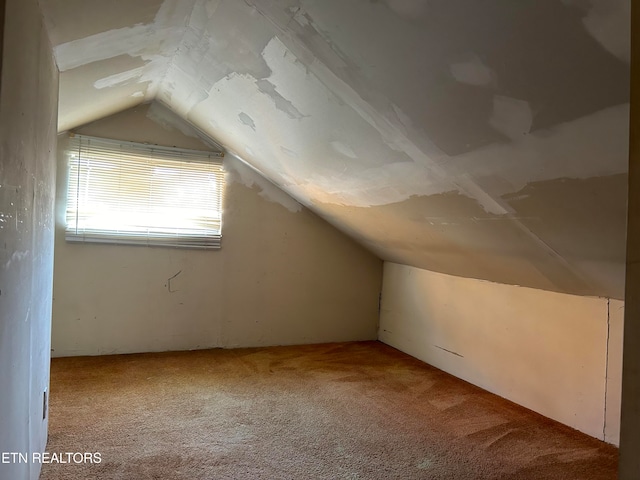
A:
(175, 53)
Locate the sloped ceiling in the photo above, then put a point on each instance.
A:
(486, 139)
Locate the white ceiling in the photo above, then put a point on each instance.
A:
(484, 139)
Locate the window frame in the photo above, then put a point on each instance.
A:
(202, 232)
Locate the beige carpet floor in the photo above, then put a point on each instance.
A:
(351, 411)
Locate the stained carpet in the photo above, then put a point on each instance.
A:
(351, 411)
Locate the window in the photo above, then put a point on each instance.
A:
(132, 193)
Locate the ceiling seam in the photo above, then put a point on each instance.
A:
(175, 54)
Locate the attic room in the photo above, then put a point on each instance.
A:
(421, 255)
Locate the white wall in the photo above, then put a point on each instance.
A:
(28, 119)
(283, 275)
(549, 352)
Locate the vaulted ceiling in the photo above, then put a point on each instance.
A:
(486, 139)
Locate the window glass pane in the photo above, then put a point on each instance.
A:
(123, 192)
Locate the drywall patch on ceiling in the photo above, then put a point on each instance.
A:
(321, 174)
(403, 167)
(473, 107)
(292, 85)
(160, 38)
(121, 78)
(154, 43)
(239, 171)
(247, 120)
(455, 115)
(322, 59)
(81, 102)
(343, 149)
(373, 186)
(511, 116)
(574, 149)
(608, 22)
(472, 72)
(281, 103)
(101, 46)
(222, 39)
(320, 90)
(69, 20)
(300, 16)
(368, 41)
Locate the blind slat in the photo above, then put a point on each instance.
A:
(130, 193)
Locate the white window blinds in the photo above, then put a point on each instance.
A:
(132, 193)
